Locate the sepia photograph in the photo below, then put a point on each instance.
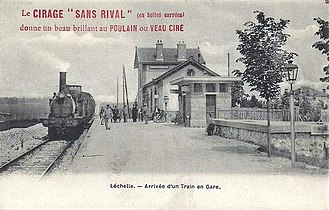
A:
(172, 104)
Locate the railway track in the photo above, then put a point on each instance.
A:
(39, 160)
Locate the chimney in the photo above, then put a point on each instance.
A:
(159, 50)
(181, 51)
(62, 81)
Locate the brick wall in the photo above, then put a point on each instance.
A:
(198, 110)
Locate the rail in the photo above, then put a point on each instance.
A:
(53, 148)
(49, 168)
(6, 165)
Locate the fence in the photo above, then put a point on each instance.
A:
(256, 114)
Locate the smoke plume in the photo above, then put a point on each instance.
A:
(49, 59)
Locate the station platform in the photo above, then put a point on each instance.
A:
(136, 147)
(165, 166)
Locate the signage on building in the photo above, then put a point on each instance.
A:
(166, 99)
(159, 67)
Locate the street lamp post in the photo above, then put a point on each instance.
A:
(291, 71)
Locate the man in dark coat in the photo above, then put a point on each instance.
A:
(101, 117)
(115, 114)
(134, 112)
(124, 113)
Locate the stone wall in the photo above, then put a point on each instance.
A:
(311, 147)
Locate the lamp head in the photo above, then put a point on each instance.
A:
(291, 71)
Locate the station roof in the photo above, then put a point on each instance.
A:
(148, 55)
(180, 66)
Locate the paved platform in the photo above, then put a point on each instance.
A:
(167, 148)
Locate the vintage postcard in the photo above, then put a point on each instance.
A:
(178, 104)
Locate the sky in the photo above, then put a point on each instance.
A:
(31, 61)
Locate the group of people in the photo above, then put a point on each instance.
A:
(115, 115)
(142, 114)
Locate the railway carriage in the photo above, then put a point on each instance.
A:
(71, 111)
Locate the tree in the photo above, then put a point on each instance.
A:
(309, 107)
(285, 100)
(254, 103)
(262, 54)
(238, 93)
(276, 103)
(323, 46)
(244, 102)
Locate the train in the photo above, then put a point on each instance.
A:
(71, 111)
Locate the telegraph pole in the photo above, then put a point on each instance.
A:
(228, 65)
(125, 87)
(117, 92)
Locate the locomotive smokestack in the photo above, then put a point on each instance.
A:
(62, 81)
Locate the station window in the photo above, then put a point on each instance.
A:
(190, 72)
(223, 88)
(211, 87)
(198, 87)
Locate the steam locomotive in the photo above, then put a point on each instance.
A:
(71, 111)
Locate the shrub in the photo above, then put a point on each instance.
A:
(210, 129)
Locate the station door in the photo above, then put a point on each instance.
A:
(211, 105)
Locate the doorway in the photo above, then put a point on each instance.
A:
(210, 106)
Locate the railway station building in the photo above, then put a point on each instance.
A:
(176, 79)
(152, 63)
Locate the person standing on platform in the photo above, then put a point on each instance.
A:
(145, 113)
(112, 114)
(101, 115)
(115, 114)
(124, 113)
(119, 115)
(140, 114)
(107, 115)
(134, 112)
